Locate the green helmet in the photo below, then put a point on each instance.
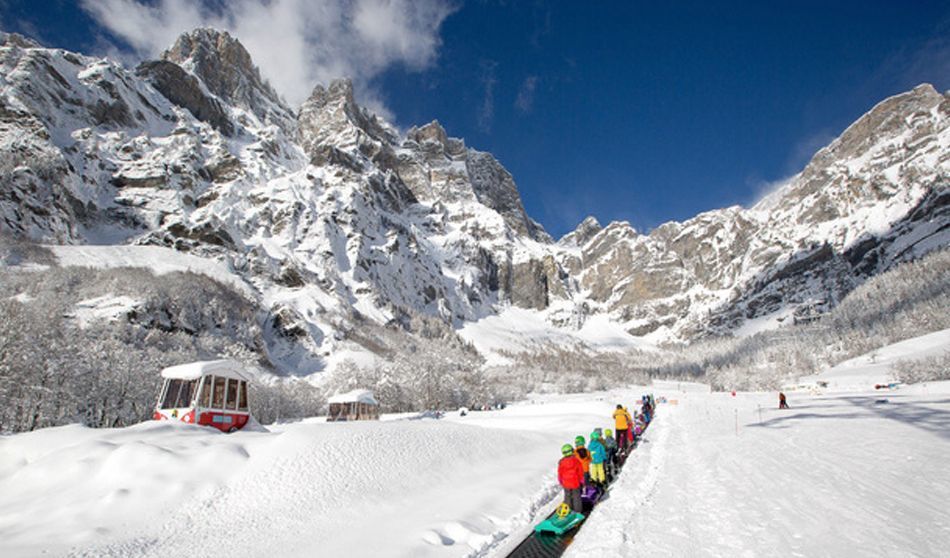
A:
(579, 441)
(566, 450)
(595, 435)
(608, 432)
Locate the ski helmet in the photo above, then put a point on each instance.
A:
(579, 441)
(566, 450)
(595, 435)
(608, 432)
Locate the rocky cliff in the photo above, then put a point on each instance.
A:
(334, 219)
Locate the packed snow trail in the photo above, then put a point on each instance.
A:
(836, 475)
(547, 545)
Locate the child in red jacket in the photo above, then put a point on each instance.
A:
(570, 474)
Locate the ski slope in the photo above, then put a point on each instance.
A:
(838, 474)
(841, 474)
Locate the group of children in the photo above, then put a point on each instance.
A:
(596, 463)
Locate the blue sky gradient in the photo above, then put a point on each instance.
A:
(638, 111)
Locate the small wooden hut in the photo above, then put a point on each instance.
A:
(355, 405)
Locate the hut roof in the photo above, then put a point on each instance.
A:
(355, 396)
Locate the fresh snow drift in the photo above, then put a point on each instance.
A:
(449, 487)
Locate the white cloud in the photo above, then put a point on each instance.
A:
(296, 43)
(525, 99)
(487, 111)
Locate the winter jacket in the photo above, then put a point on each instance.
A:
(622, 419)
(584, 456)
(598, 453)
(570, 472)
(610, 444)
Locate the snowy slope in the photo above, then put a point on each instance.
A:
(877, 367)
(515, 330)
(835, 475)
(446, 487)
(832, 476)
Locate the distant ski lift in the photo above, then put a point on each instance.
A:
(208, 393)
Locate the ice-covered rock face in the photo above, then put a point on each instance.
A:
(225, 68)
(336, 220)
(582, 234)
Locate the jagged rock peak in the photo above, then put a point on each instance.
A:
(332, 111)
(17, 40)
(585, 231)
(225, 67)
(434, 133)
(887, 117)
(339, 92)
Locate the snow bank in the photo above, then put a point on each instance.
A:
(516, 330)
(103, 308)
(877, 366)
(449, 487)
(158, 259)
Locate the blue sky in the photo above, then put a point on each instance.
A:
(623, 110)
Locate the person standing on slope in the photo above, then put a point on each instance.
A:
(584, 456)
(622, 423)
(782, 404)
(611, 446)
(570, 475)
(598, 456)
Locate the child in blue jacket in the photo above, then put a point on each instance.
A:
(598, 454)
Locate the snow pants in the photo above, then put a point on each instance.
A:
(597, 473)
(572, 497)
(621, 439)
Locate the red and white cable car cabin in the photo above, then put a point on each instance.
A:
(209, 393)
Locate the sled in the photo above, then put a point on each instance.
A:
(590, 494)
(562, 521)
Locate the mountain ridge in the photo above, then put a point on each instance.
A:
(334, 218)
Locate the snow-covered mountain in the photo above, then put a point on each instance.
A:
(876, 196)
(333, 219)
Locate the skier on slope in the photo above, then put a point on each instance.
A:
(598, 455)
(570, 475)
(782, 403)
(621, 424)
(584, 456)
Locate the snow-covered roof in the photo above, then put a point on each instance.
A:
(355, 396)
(224, 368)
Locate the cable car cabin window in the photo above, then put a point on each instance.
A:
(205, 399)
(219, 383)
(172, 387)
(179, 394)
(187, 393)
(242, 399)
(232, 395)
